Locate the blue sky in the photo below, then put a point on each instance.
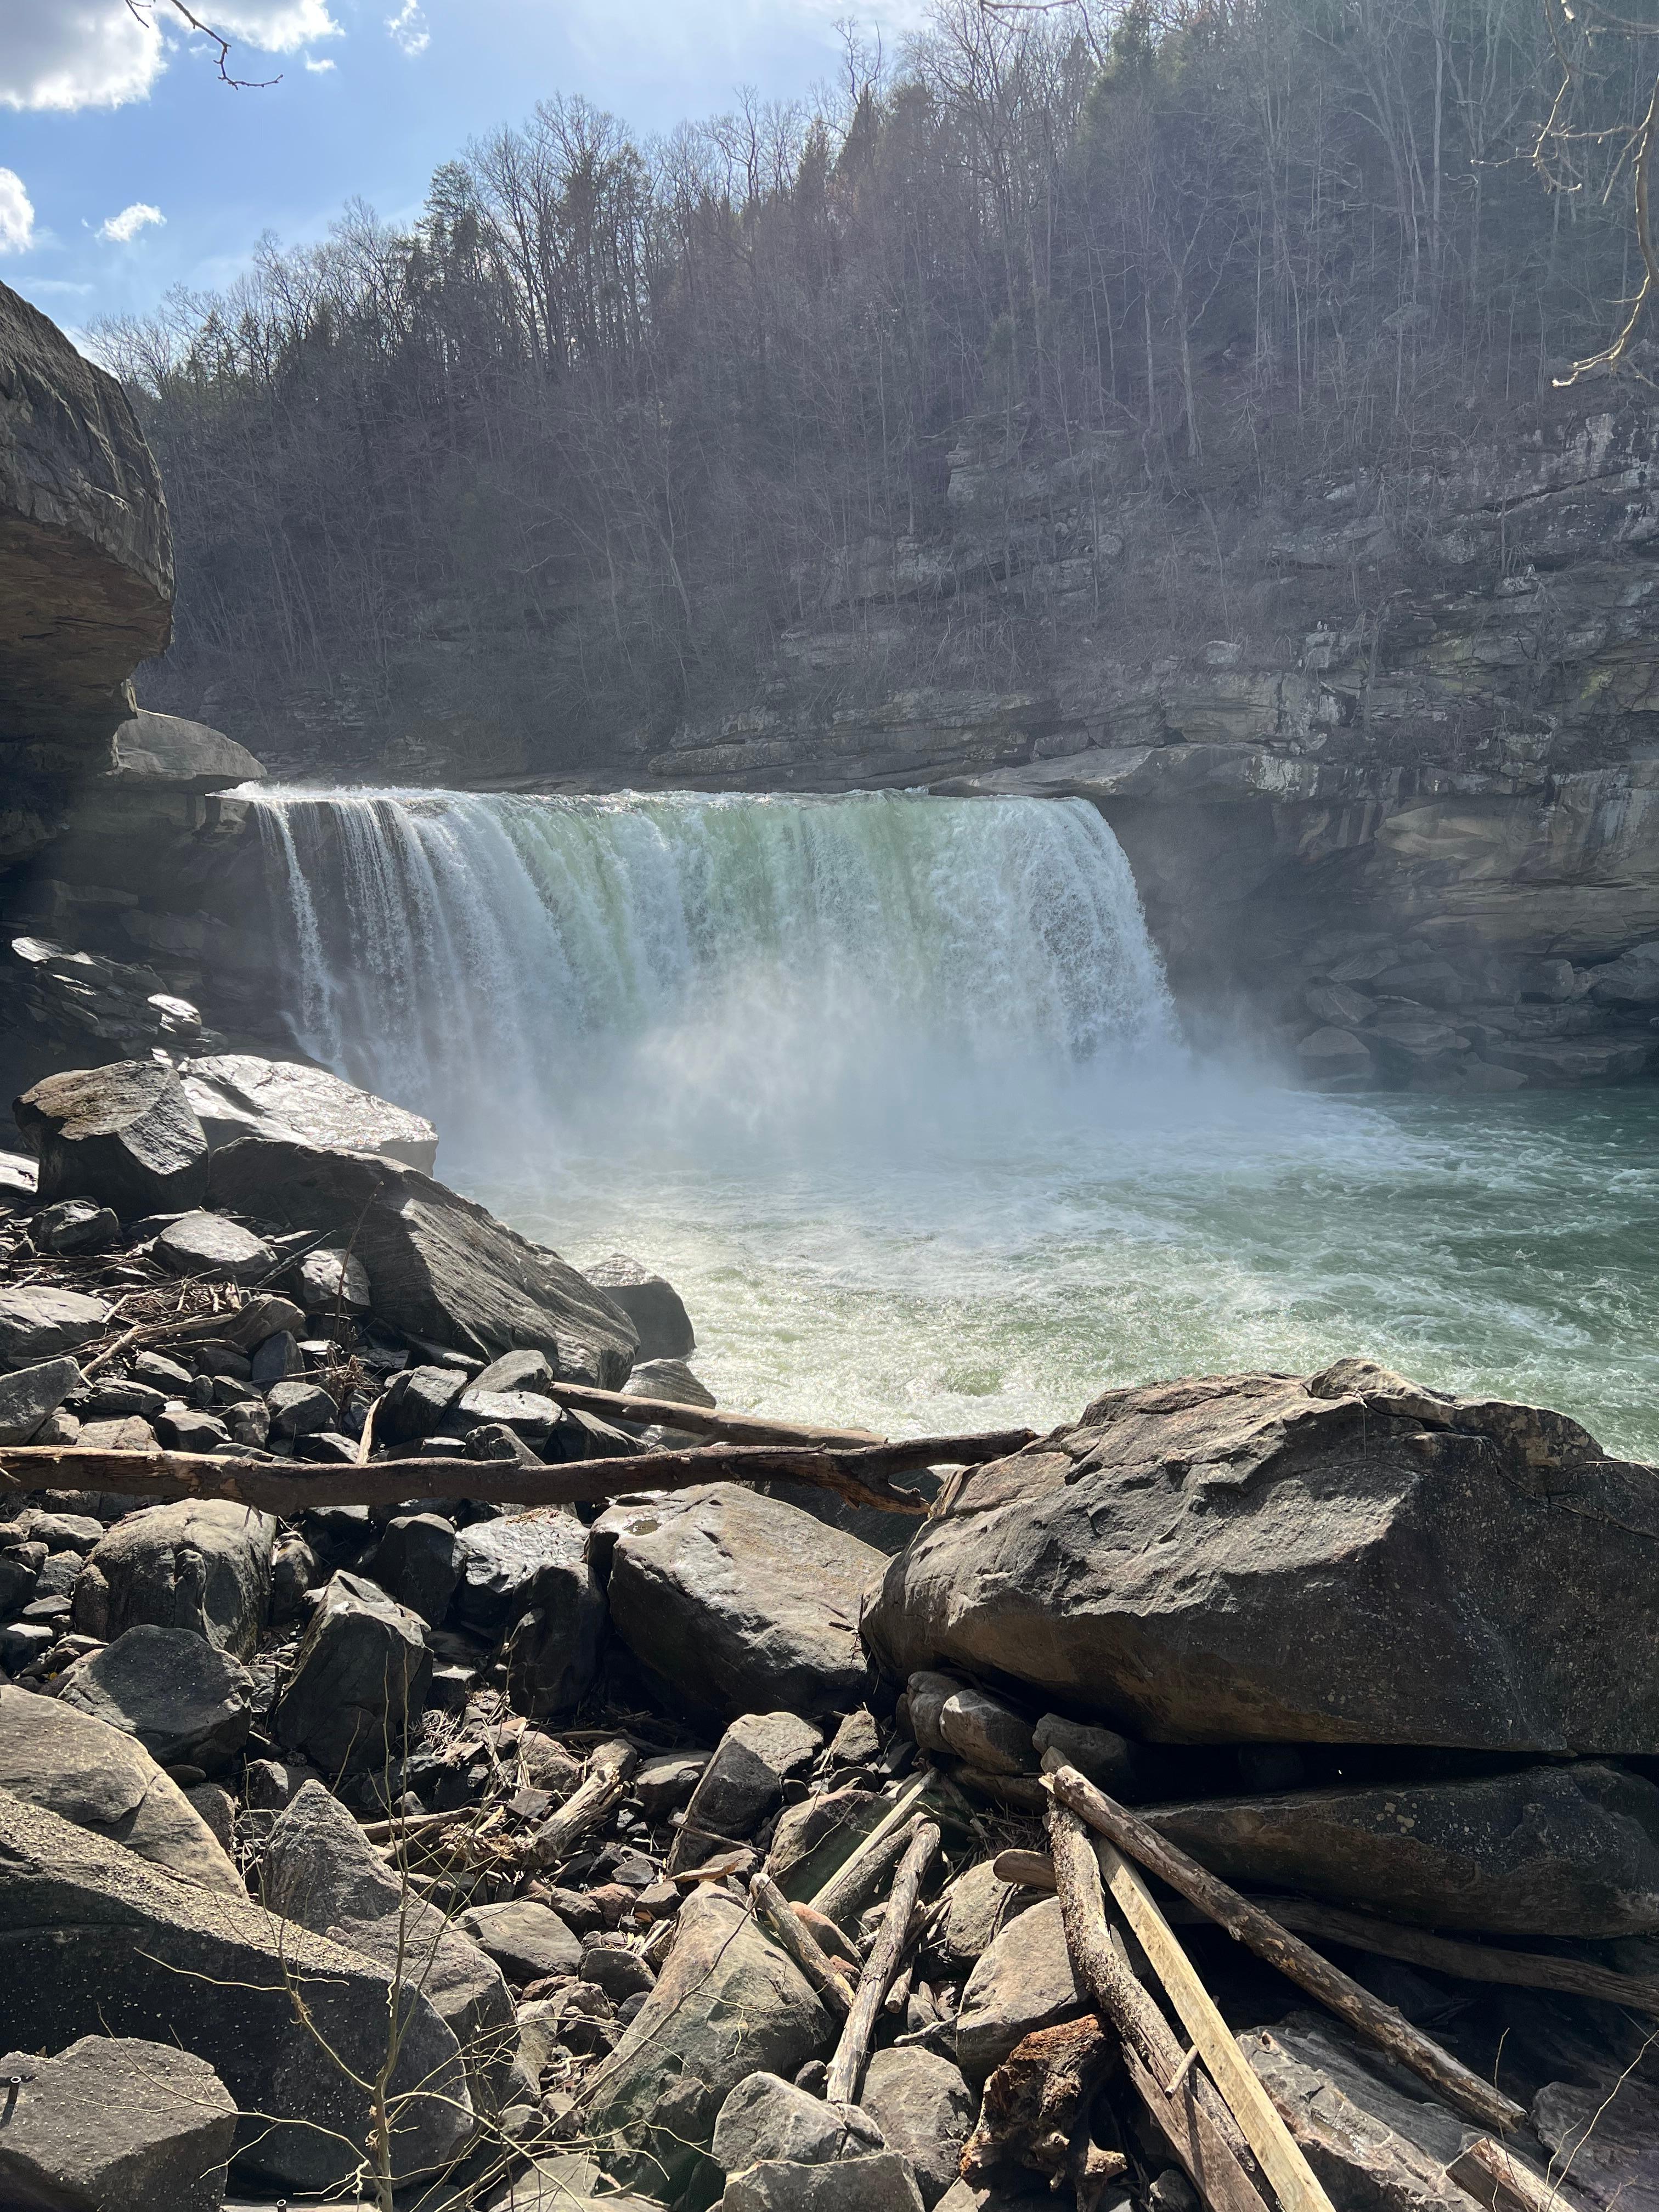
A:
(126, 165)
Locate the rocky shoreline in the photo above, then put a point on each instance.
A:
(673, 1843)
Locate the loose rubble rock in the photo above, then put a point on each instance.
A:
(727, 2004)
(1550, 1851)
(74, 1224)
(526, 1940)
(118, 2124)
(743, 1782)
(94, 1941)
(360, 1680)
(925, 2110)
(99, 1778)
(1168, 1563)
(1023, 1982)
(443, 1269)
(123, 1136)
(739, 1603)
(204, 1566)
(207, 1244)
(419, 1564)
(29, 1396)
(187, 1702)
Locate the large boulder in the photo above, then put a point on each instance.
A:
(925, 2110)
(444, 1271)
(739, 1603)
(29, 1396)
(237, 1094)
(317, 1871)
(360, 1681)
(86, 561)
(1345, 1558)
(1550, 1850)
(126, 1135)
(201, 1565)
(94, 1942)
(115, 2123)
(727, 2004)
(104, 1781)
(186, 1701)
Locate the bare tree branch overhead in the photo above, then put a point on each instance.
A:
(143, 11)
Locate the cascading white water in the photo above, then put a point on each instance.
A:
(490, 957)
(887, 1086)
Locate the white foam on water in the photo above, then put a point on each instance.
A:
(892, 1087)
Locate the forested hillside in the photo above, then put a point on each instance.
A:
(579, 451)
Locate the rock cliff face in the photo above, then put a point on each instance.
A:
(86, 570)
(1411, 803)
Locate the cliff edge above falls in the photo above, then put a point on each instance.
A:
(86, 570)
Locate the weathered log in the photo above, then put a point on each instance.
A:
(1448, 2077)
(1415, 1946)
(1277, 2151)
(1035, 2098)
(860, 1475)
(700, 1420)
(1103, 1971)
(790, 1934)
(1205, 2156)
(1487, 2173)
(608, 1771)
(854, 1883)
(846, 2066)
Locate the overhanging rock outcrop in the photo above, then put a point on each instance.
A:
(1342, 1559)
(86, 559)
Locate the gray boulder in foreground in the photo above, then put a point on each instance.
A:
(124, 1135)
(1344, 1559)
(739, 1603)
(84, 1771)
(203, 1565)
(444, 1270)
(1023, 1982)
(94, 1942)
(728, 2004)
(360, 1681)
(117, 2125)
(1550, 1851)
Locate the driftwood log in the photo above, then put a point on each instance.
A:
(790, 1934)
(606, 1781)
(697, 1420)
(1487, 2173)
(1468, 1960)
(1183, 2100)
(1448, 2077)
(859, 1473)
(1035, 2100)
(846, 2066)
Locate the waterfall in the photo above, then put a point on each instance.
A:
(503, 963)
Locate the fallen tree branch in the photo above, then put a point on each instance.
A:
(1037, 2100)
(698, 1420)
(1468, 1960)
(1448, 2077)
(846, 2066)
(790, 1934)
(1487, 2173)
(586, 1806)
(1200, 2129)
(859, 1474)
(843, 1897)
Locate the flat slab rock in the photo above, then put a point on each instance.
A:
(1343, 1557)
(739, 1603)
(237, 1094)
(1550, 1850)
(444, 1270)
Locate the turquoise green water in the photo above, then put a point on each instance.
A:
(1010, 1266)
(892, 1088)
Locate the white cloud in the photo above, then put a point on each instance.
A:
(121, 229)
(408, 29)
(17, 214)
(100, 53)
(319, 68)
